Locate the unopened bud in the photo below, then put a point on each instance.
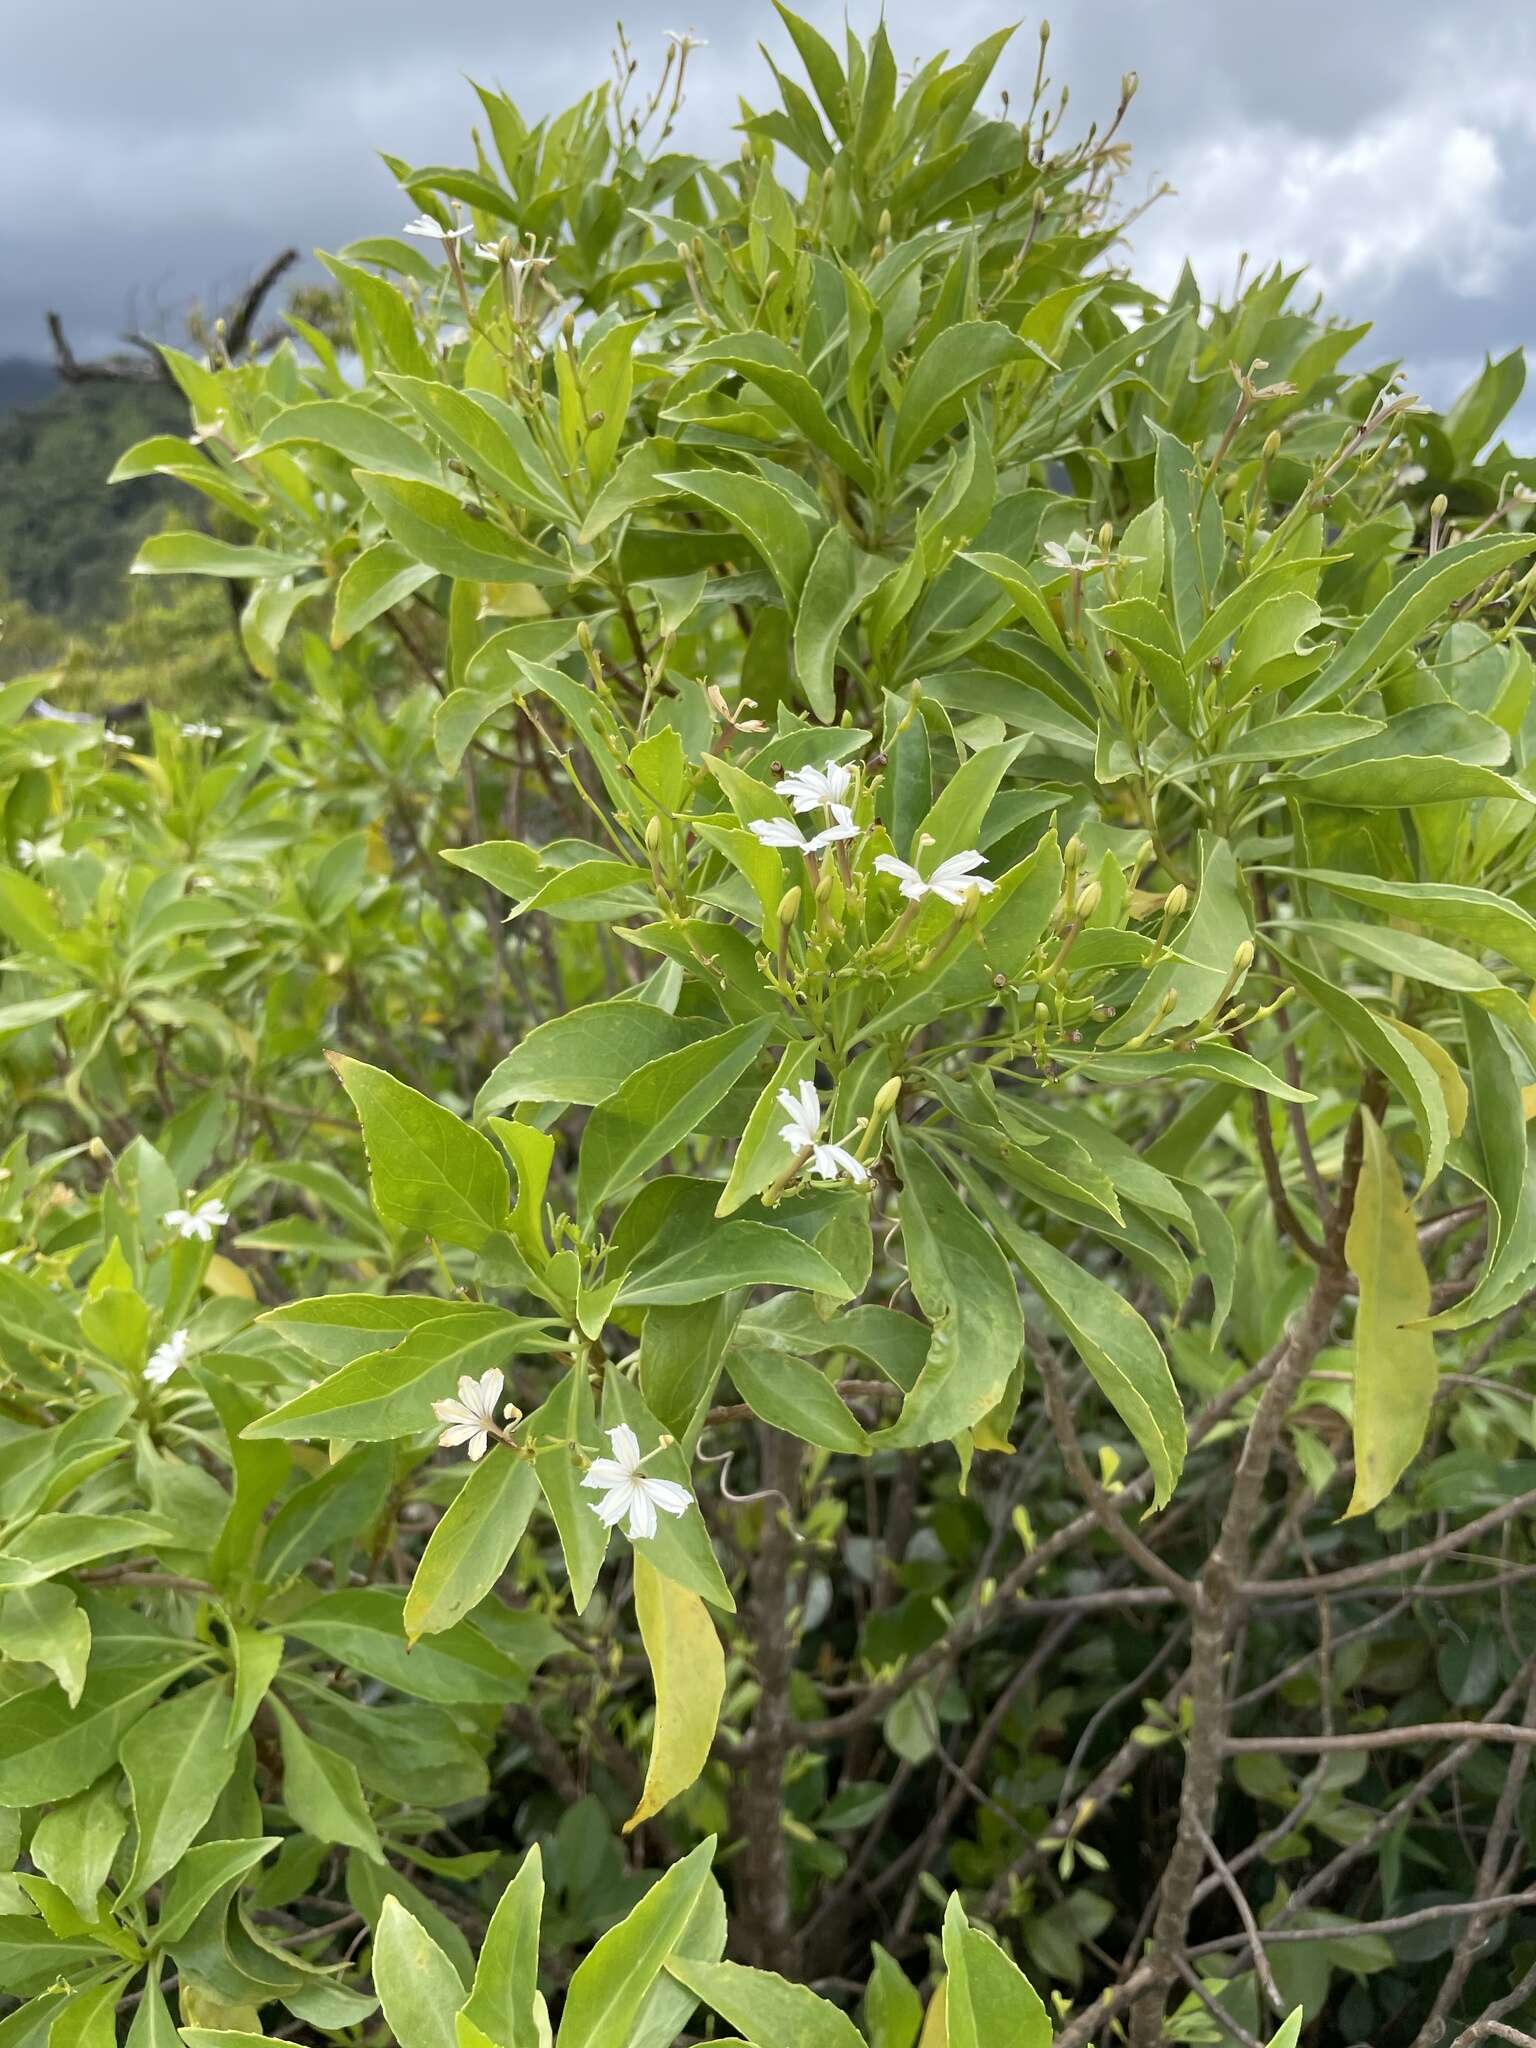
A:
(1242, 959)
(1073, 852)
(98, 1151)
(568, 329)
(595, 419)
(1088, 902)
(1130, 85)
(1176, 901)
(1045, 31)
(883, 230)
(885, 1100)
(1439, 506)
(1272, 444)
(789, 906)
(824, 890)
(653, 836)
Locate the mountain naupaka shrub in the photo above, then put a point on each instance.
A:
(1039, 822)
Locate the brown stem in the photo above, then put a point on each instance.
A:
(766, 1936)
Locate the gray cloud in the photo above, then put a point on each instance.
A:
(160, 152)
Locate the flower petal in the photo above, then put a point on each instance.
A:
(668, 1495)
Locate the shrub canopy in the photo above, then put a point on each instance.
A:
(914, 868)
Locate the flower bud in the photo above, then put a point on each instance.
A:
(1242, 959)
(653, 836)
(885, 1099)
(824, 890)
(1089, 901)
(1439, 506)
(1176, 901)
(789, 906)
(1272, 444)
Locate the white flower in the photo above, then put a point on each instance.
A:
(803, 1133)
(809, 789)
(1078, 555)
(114, 738)
(204, 1222)
(429, 230)
(949, 881)
(28, 852)
(471, 1419)
(167, 1358)
(198, 729)
(783, 833)
(626, 1490)
(686, 40)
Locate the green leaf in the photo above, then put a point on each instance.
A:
(586, 1055)
(739, 1253)
(688, 1676)
(770, 2012)
(418, 1987)
(352, 429)
(491, 438)
(987, 1998)
(45, 1625)
(503, 2005)
(1394, 1054)
(340, 1505)
(1396, 1376)
(74, 1843)
(611, 1982)
(439, 529)
(470, 1548)
(1421, 596)
(1476, 915)
(427, 1171)
(322, 1791)
(791, 1395)
(955, 362)
(773, 366)
(390, 1393)
(1111, 1338)
(199, 554)
(893, 2012)
(177, 1761)
(841, 580)
(49, 1749)
(569, 1418)
(1194, 534)
(962, 1284)
(363, 1626)
(373, 583)
(769, 518)
(658, 1107)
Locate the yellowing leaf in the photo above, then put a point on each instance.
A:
(688, 1667)
(224, 1277)
(1447, 1073)
(935, 2024)
(1395, 1370)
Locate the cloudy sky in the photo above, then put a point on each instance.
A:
(160, 150)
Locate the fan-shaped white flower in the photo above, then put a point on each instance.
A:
(199, 729)
(949, 881)
(803, 1134)
(471, 1417)
(627, 1490)
(204, 1222)
(426, 229)
(810, 789)
(167, 1358)
(785, 834)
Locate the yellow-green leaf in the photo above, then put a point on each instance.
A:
(688, 1667)
(1395, 1370)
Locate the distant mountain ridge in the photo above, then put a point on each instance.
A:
(24, 380)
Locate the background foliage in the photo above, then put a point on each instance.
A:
(1101, 1598)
